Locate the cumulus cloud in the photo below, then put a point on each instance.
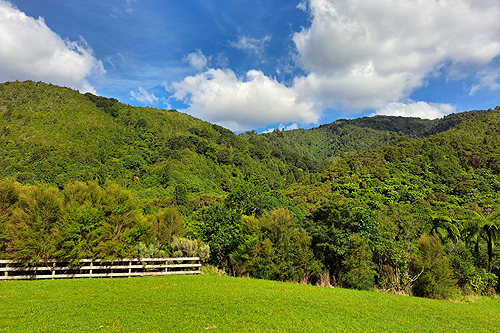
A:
(356, 55)
(143, 96)
(252, 45)
(417, 109)
(32, 51)
(197, 60)
(241, 103)
(365, 53)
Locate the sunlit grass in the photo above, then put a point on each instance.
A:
(222, 303)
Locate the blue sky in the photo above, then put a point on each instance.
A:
(262, 64)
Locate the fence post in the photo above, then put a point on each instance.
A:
(90, 271)
(53, 269)
(6, 273)
(130, 269)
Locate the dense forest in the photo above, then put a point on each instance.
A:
(398, 204)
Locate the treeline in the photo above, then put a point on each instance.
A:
(40, 222)
(259, 234)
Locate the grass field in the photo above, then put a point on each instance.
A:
(227, 304)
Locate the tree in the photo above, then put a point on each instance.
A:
(180, 195)
(491, 229)
(123, 225)
(166, 224)
(431, 263)
(9, 196)
(274, 247)
(486, 226)
(358, 266)
(443, 227)
(32, 226)
(330, 227)
(82, 221)
(220, 229)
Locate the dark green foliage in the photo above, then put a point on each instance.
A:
(331, 227)
(442, 227)
(104, 179)
(470, 279)
(274, 247)
(107, 104)
(436, 279)
(358, 266)
(180, 195)
(56, 135)
(343, 137)
(220, 229)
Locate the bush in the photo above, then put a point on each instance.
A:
(470, 279)
(358, 265)
(150, 251)
(431, 262)
(184, 247)
(274, 247)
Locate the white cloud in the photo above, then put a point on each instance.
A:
(488, 79)
(417, 109)
(367, 53)
(356, 55)
(252, 45)
(197, 60)
(360, 88)
(242, 103)
(143, 96)
(31, 51)
(282, 127)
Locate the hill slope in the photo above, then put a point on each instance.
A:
(53, 134)
(342, 138)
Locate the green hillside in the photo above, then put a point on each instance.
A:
(86, 176)
(52, 134)
(342, 138)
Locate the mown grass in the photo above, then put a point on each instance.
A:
(227, 304)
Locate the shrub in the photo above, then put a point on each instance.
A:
(274, 247)
(431, 262)
(470, 279)
(358, 265)
(184, 247)
(150, 251)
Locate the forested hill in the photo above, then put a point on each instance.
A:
(83, 176)
(54, 135)
(343, 138)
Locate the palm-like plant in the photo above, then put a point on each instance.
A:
(443, 227)
(485, 226)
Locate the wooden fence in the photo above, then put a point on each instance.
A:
(89, 268)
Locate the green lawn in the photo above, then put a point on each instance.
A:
(227, 304)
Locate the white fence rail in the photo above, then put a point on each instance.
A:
(95, 268)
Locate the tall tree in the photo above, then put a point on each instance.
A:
(483, 226)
